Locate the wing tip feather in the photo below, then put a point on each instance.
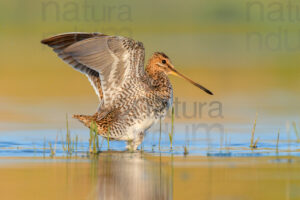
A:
(69, 35)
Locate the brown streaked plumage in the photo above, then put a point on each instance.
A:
(131, 98)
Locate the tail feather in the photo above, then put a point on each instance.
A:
(105, 124)
(85, 119)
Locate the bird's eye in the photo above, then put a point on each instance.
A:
(163, 61)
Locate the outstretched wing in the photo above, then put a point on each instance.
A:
(118, 60)
(61, 42)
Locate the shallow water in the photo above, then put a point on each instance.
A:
(217, 165)
(144, 176)
(36, 143)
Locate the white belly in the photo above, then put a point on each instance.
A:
(139, 127)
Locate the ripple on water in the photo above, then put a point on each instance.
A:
(37, 143)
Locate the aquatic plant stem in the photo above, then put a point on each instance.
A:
(108, 133)
(172, 130)
(159, 133)
(278, 134)
(252, 143)
(296, 131)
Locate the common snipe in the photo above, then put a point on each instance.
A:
(132, 98)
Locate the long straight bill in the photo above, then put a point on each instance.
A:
(175, 72)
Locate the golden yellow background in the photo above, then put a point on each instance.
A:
(206, 40)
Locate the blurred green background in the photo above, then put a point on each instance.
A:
(246, 52)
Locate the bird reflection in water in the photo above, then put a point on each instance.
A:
(129, 176)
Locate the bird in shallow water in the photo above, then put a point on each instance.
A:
(132, 98)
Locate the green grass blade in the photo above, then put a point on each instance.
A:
(277, 144)
(159, 133)
(252, 143)
(108, 133)
(296, 131)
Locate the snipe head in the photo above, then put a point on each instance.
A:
(160, 62)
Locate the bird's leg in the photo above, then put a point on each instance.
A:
(129, 146)
(132, 145)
